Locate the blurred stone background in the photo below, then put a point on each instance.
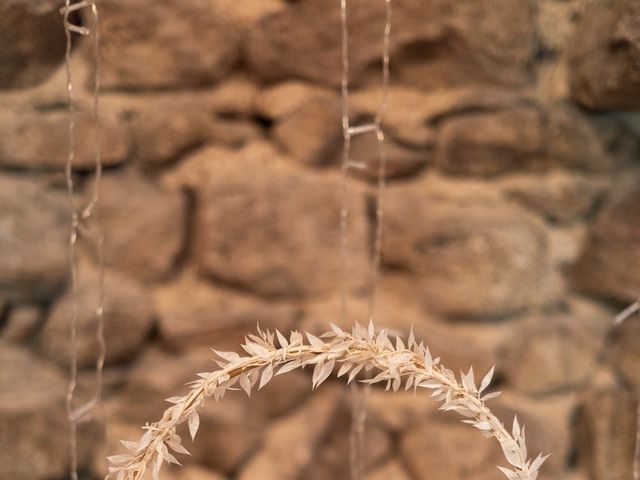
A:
(512, 231)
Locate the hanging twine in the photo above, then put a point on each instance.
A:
(78, 226)
(619, 319)
(357, 455)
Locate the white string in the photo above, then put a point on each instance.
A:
(73, 334)
(359, 398)
(636, 456)
(346, 151)
(75, 415)
(623, 316)
(90, 210)
(382, 162)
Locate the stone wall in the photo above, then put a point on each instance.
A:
(512, 225)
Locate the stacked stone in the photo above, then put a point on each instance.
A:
(512, 230)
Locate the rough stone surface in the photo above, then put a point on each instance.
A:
(192, 472)
(459, 49)
(625, 351)
(165, 126)
(312, 134)
(556, 23)
(191, 312)
(291, 442)
(554, 353)
(32, 42)
(492, 143)
(392, 469)
(145, 226)
(26, 425)
(610, 261)
(243, 16)
(170, 45)
(398, 411)
(127, 314)
(433, 449)
(21, 323)
(332, 454)
(548, 425)
(433, 446)
(559, 197)
(284, 99)
(607, 35)
(256, 231)
(36, 140)
(606, 433)
(400, 160)
(33, 238)
(412, 115)
(519, 138)
(473, 259)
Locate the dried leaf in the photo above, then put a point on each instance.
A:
(315, 341)
(267, 373)
(287, 367)
(245, 384)
(282, 340)
(344, 369)
(194, 424)
(486, 380)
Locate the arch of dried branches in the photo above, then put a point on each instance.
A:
(398, 363)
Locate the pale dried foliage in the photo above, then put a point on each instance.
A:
(400, 364)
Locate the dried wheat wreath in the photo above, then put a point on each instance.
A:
(399, 364)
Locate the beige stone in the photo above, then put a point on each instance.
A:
(33, 421)
(606, 35)
(32, 42)
(610, 260)
(277, 233)
(170, 45)
(143, 225)
(625, 350)
(548, 424)
(40, 140)
(291, 442)
(191, 312)
(451, 450)
(559, 197)
(284, 99)
(401, 161)
(127, 320)
(165, 126)
(461, 49)
(21, 323)
(555, 353)
(33, 238)
(488, 144)
(528, 137)
(390, 470)
(556, 23)
(605, 433)
(331, 460)
(411, 114)
(243, 16)
(398, 411)
(312, 134)
(469, 258)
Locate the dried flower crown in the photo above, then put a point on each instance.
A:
(399, 364)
